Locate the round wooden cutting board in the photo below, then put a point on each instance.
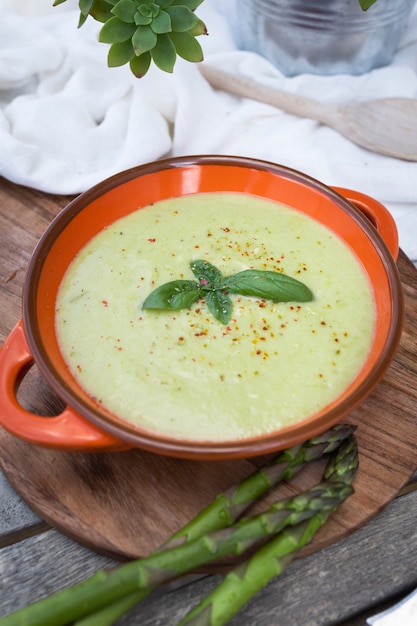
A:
(126, 504)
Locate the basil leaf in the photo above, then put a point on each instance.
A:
(177, 294)
(207, 274)
(220, 305)
(270, 285)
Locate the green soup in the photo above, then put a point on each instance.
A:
(185, 374)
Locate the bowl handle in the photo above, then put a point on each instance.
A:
(377, 214)
(66, 431)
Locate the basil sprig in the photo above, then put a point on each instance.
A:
(215, 288)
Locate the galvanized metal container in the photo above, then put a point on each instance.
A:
(323, 36)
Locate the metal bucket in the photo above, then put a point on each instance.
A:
(323, 36)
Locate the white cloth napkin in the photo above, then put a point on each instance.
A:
(402, 614)
(67, 121)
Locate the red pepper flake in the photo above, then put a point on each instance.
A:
(151, 240)
(105, 303)
(79, 368)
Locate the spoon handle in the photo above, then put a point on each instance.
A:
(246, 87)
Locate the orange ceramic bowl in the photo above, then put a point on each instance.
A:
(361, 222)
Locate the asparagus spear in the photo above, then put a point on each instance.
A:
(245, 581)
(228, 506)
(241, 584)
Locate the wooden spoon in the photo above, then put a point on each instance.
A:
(387, 125)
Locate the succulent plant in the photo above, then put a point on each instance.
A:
(140, 31)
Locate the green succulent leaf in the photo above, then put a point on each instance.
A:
(163, 3)
(101, 11)
(142, 20)
(177, 294)
(125, 10)
(270, 285)
(149, 9)
(199, 29)
(365, 4)
(82, 20)
(144, 39)
(208, 276)
(187, 47)
(182, 18)
(161, 23)
(220, 305)
(163, 54)
(115, 31)
(120, 54)
(85, 6)
(140, 65)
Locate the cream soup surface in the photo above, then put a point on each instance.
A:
(185, 374)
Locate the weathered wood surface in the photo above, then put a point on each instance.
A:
(373, 565)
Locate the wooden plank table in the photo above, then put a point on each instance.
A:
(340, 584)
